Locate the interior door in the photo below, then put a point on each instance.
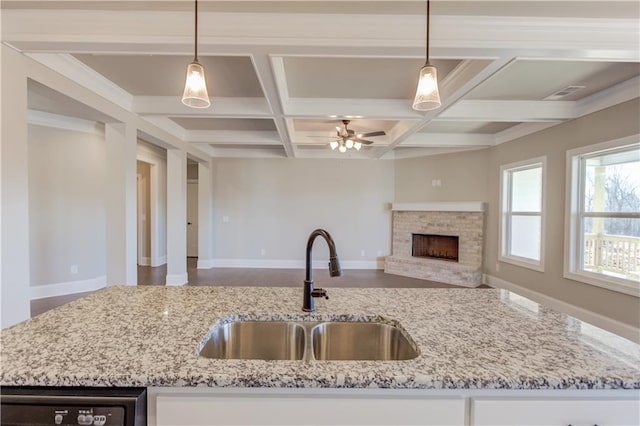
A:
(192, 219)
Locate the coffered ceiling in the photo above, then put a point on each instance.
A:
(282, 75)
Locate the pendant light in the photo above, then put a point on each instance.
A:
(195, 88)
(427, 95)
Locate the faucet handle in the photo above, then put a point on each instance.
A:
(320, 292)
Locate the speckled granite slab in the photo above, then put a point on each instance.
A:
(467, 338)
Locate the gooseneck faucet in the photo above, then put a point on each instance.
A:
(334, 270)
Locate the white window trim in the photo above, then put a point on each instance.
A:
(572, 226)
(517, 260)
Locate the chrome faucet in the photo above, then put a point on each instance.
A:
(334, 270)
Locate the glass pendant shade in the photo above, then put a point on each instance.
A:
(195, 89)
(349, 144)
(357, 146)
(427, 95)
(333, 145)
(342, 148)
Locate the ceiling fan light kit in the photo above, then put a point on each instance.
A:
(348, 139)
(427, 95)
(195, 88)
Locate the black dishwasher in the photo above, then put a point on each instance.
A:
(35, 406)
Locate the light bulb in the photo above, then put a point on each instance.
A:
(427, 95)
(342, 148)
(349, 144)
(333, 145)
(195, 88)
(357, 146)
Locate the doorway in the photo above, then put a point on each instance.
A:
(192, 219)
(143, 180)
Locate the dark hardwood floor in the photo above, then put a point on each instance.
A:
(257, 277)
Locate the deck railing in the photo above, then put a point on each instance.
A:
(617, 254)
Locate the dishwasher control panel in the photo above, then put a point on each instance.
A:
(62, 415)
(73, 406)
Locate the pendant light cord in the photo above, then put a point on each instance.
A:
(428, 30)
(195, 37)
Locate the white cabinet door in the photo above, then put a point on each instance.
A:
(265, 409)
(556, 412)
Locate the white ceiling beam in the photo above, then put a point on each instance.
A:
(521, 130)
(220, 107)
(170, 31)
(443, 140)
(80, 73)
(424, 152)
(510, 111)
(268, 80)
(390, 109)
(239, 137)
(247, 153)
(617, 94)
(168, 125)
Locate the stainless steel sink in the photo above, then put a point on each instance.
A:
(301, 340)
(267, 340)
(360, 341)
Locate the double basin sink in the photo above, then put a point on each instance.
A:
(302, 340)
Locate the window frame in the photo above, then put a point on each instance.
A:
(574, 194)
(504, 229)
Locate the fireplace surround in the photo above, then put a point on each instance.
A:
(457, 228)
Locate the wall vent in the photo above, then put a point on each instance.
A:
(569, 90)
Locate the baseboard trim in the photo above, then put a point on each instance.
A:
(205, 263)
(625, 330)
(71, 287)
(286, 264)
(177, 279)
(158, 261)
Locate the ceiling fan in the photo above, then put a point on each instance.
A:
(347, 138)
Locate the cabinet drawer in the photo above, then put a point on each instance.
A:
(302, 410)
(556, 411)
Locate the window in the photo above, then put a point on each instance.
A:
(522, 207)
(603, 216)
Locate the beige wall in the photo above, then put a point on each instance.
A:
(475, 176)
(274, 204)
(463, 177)
(609, 124)
(67, 222)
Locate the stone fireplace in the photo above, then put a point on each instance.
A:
(438, 241)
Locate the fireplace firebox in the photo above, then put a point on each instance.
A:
(441, 247)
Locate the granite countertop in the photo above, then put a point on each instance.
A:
(467, 338)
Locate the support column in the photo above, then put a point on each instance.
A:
(205, 215)
(14, 187)
(176, 217)
(121, 144)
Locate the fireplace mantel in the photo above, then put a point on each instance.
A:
(443, 206)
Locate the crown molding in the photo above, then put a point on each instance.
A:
(47, 119)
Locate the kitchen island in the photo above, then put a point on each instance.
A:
(471, 343)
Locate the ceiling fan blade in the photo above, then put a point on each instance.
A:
(364, 142)
(370, 134)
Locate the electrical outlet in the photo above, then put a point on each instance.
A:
(263, 252)
(74, 269)
(225, 219)
(362, 253)
(379, 253)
